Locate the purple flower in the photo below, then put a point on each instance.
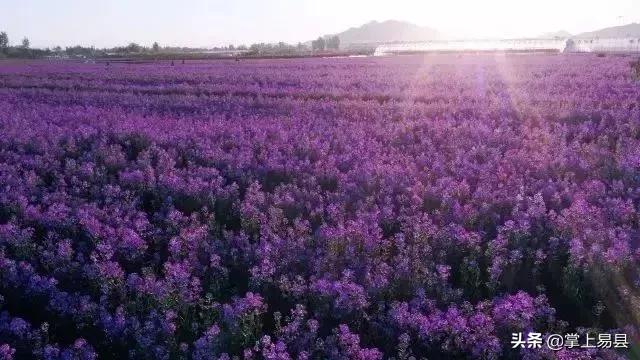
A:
(216, 211)
(6, 352)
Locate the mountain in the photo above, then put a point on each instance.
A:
(624, 31)
(401, 31)
(562, 34)
(387, 31)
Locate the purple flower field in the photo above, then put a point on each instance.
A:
(388, 208)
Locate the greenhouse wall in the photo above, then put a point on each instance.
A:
(627, 45)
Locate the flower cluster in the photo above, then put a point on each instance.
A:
(407, 207)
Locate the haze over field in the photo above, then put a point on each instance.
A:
(210, 23)
(400, 31)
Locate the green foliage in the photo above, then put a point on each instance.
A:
(79, 51)
(319, 44)
(333, 43)
(4, 42)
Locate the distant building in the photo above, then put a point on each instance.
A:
(559, 45)
(511, 45)
(621, 45)
(57, 57)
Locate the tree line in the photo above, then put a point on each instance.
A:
(332, 42)
(24, 50)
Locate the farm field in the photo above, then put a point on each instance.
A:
(364, 208)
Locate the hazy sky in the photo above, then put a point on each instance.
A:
(219, 22)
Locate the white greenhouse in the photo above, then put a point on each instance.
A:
(626, 45)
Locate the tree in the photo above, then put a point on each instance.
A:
(4, 42)
(156, 47)
(255, 48)
(318, 44)
(25, 43)
(133, 48)
(333, 43)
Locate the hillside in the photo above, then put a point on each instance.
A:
(555, 34)
(387, 31)
(624, 31)
(401, 31)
